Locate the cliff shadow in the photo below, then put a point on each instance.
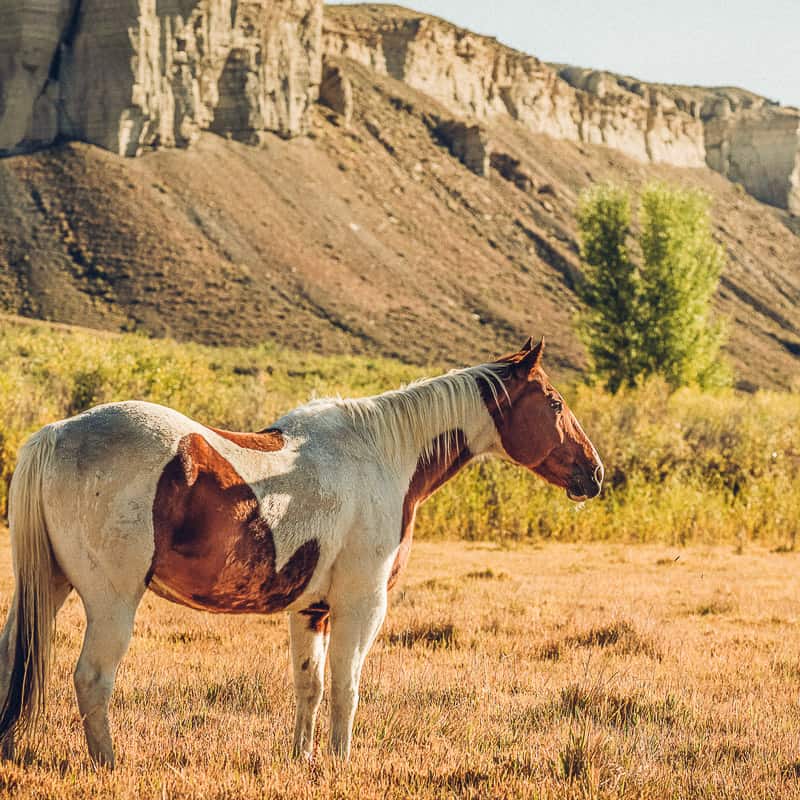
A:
(236, 114)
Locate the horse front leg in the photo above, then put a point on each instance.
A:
(309, 634)
(354, 625)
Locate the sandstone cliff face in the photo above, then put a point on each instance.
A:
(747, 138)
(29, 41)
(759, 148)
(132, 75)
(135, 74)
(734, 132)
(649, 124)
(475, 76)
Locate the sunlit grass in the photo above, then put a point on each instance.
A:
(648, 697)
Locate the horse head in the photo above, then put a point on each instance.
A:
(539, 431)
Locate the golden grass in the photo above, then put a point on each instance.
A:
(589, 670)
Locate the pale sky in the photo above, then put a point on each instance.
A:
(753, 44)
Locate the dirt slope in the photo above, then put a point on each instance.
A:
(363, 238)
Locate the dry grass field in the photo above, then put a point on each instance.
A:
(586, 670)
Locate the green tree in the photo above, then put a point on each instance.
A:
(682, 267)
(654, 316)
(611, 286)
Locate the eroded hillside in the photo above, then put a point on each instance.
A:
(405, 230)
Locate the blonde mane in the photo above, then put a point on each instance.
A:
(411, 419)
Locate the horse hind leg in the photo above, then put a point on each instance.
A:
(108, 633)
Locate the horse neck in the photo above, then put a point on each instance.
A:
(434, 470)
(439, 423)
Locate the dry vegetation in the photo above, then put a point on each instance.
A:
(571, 670)
(690, 467)
(564, 671)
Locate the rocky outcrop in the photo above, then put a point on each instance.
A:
(477, 77)
(468, 143)
(132, 75)
(136, 74)
(747, 138)
(30, 37)
(336, 91)
(510, 169)
(759, 149)
(639, 119)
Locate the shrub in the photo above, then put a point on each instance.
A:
(682, 466)
(651, 318)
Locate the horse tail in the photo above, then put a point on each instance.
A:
(31, 622)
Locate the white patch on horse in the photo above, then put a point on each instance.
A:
(270, 477)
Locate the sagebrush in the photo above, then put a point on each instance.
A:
(680, 467)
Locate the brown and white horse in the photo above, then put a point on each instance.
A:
(312, 516)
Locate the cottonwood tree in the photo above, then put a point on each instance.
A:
(647, 295)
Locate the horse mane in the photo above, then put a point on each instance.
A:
(411, 418)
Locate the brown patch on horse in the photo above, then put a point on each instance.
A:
(427, 478)
(268, 441)
(213, 551)
(319, 618)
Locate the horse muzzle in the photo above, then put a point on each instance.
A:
(585, 484)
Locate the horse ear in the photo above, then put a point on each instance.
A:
(532, 358)
(528, 345)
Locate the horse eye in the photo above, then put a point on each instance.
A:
(556, 404)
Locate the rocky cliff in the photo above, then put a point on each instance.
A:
(759, 148)
(475, 76)
(745, 137)
(133, 74)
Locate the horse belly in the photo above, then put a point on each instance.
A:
(213, 549)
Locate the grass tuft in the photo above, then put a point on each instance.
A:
(551, 651)
(621, 635)
(791, 770)
(714, 607)
(486, 575)
(458, 781)
(427, 633)
(615, 708)
(192, 636)
(578, 760)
